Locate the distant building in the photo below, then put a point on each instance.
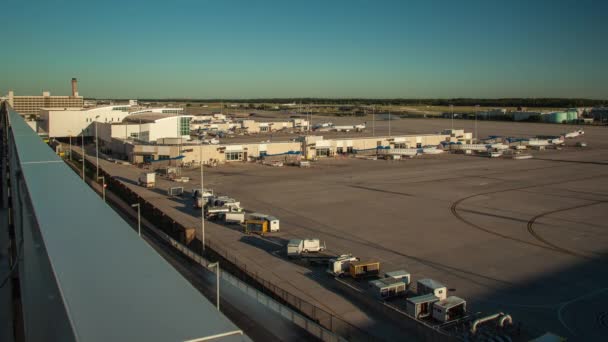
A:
(525, 116)
(30, 105)
(599, 114)
(149, 127)
(65, 122)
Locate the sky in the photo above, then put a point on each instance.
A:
(332, 48)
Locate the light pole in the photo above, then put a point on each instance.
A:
(476, 111)
(202, 202)
(389, 123)
(374, 121)
(70, 147)
(83, 156)
(452, 110)
(103, 186)
(96, 148)
(217, 279)
(138, 217)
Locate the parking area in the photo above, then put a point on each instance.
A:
(526, 237)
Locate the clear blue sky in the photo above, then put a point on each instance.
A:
(356, 48)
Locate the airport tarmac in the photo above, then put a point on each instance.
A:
(525, 237)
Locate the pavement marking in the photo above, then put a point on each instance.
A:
(565, 304)
(275, 243)
(347, 284)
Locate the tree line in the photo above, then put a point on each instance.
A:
(502, 102)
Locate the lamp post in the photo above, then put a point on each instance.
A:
(83, 156)
(103, 186)
(217, 279)
(476, 111)
(373, 121)
(96, 149)
(138, 217)
(389, 123)
(202, 202)
(70, 147)
(452, 110)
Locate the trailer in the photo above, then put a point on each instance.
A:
(147, 179)
(426, 286)
(362, 269)
(385, 288)
(273, 222)
(339, 266)
(237, 217)
(298, 247)
(215, 213)
(255, 227)
(449, 309)
(421, 306)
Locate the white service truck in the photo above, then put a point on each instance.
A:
(297, 247)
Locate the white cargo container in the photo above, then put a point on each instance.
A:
(340, 265)
(234, 217)
(449, 309)
(420, 306)
(296, 247)
(147, 179)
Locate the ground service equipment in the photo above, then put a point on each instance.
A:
(426, 286)
(339, 266)
(147, 179)
(362, 269)
(273, 222)
(421, 306)
(234, 217)
(449, 309)
(256, 227)
(387, 288)
(297, 247)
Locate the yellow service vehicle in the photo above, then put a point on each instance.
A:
(256, 226)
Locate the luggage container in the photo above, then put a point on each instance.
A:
(449, 309)
(387, 288)
(421, 306)
(362, 269)
(426, 286)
